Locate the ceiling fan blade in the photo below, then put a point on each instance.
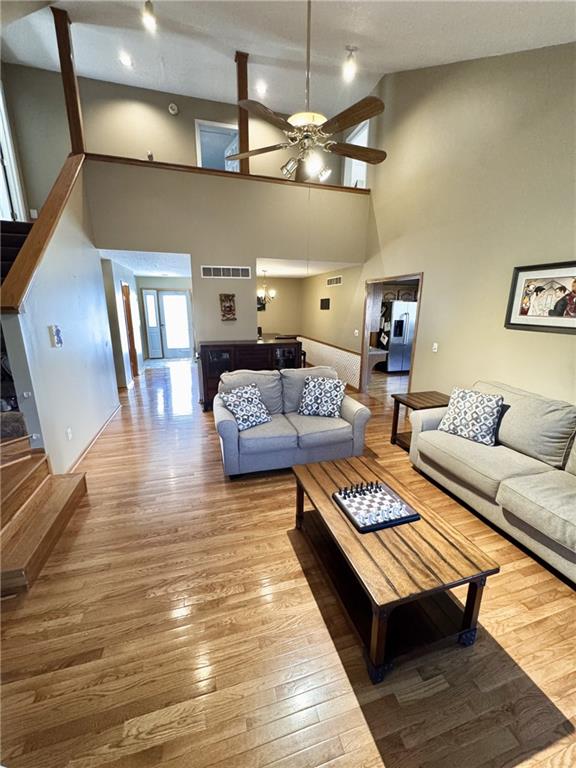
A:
(261, 151)
(259, 110)
(357, 113)
(365, 154)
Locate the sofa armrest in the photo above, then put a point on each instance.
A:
(357, 415)
(423, 421)
(227, 429)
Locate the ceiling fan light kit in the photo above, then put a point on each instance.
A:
(308, 131)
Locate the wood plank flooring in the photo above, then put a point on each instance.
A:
(181, 622)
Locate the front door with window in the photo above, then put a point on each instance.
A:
(175, 323)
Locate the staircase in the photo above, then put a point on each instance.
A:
(35, 508)
(12, 237)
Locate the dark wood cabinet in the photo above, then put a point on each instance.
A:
(216, 357)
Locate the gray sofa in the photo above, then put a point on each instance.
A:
(289, 438)
(526, 484)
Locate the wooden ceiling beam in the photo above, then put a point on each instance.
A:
(241, 60)
(69, 80)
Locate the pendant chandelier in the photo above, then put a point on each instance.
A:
(264, 293)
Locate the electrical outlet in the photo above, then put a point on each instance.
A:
(68, 433)
(33, 213)
(356, 332)
(435, 347)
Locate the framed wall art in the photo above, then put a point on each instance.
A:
(543, 298)
(228, 306)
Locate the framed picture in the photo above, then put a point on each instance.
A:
(543, 298)
(228, 306)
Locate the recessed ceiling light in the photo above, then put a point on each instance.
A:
(125, 59)
(261, 88)
(149, 17)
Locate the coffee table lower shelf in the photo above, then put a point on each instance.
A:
(392, 634)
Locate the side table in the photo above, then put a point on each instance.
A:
(416, 401)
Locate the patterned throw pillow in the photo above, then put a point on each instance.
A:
(473, 415)
(247, 406)
(321, 397)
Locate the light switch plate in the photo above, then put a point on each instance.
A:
(435, 347)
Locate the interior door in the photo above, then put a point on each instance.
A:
(130, 329)
(152, 317)
(175, 323)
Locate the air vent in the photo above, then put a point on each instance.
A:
(334, 281)
(235, 273)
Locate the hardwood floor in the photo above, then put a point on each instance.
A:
(181, 622)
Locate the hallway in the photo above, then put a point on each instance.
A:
(180, 622)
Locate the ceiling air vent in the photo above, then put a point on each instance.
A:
(237, 273)
(334, 281)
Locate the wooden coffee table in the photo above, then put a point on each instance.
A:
(393, 583)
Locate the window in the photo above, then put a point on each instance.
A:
(354, 170)
(214, 142)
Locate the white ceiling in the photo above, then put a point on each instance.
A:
(192, 52)
(299, 268)
(148, 264)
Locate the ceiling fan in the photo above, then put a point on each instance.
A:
(307, 131)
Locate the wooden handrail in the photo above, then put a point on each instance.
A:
(18, 279)
(212, 172)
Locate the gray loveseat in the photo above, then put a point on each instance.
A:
(289, 438)
(526, 484)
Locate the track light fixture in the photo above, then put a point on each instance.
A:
(350, 66)
(149, 17)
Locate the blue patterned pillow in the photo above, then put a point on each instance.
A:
(247, 406)
(473, 415)
(321, 397)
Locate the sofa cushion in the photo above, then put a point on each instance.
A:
(547, 502)
(245, 403)
(534, 425)
(319, 430)
(571, 463)
(277, 435)
(268, 382)
(322, 396)
(481, 467)
(473, 415)
(293, 383)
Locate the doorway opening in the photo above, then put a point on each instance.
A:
(167, 316)
(130, 330)
(214, 142)
(391, 311)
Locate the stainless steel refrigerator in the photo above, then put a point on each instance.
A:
(401, 335)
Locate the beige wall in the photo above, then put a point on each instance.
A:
(118, 120)
(226, 221)
(74, 385)
(283, 314)
(115, 275)
(480, 178)
(337, 324)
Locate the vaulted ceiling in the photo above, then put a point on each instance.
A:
(192, 51)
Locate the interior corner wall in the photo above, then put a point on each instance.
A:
(115, 275)
(338, 324)
(74, 385)
(479, 179)
(283, 315)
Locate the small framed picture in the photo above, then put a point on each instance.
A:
(543, 298)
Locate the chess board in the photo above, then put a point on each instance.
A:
(373, 506)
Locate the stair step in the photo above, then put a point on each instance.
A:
(12, 239)
(14, 443)
(5, 267)
(30, 537)
(9, 253)
(19, 481)
(13, 227)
